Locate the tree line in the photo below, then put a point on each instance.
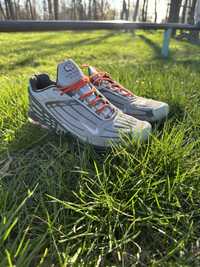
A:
(56, 9)
(177, 10)
(135, 10)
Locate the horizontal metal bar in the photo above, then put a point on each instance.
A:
(62, 25)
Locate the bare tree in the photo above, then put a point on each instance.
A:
(45, 12)
(73, 9)
(136, 9)
(144, 10)
(125, 11)
(29, 8)
(183, 17)
(9, 9)
(128, 11)
(50, 9)
(2, 10)
(80, 10)
(195, 34)
(192, 12)
(155, 12)
(174, 11)
(90, 9)
(95, 16)
(16, 8)
(103, 7)
(56, 9)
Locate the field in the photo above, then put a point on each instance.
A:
(64, 204)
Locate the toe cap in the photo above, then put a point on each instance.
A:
(160, 112)
(142, 132)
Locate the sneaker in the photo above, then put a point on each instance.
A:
(73, 105)
(136, 106)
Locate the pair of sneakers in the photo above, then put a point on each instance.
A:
(94, 108)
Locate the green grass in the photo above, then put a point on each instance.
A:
(62, 204)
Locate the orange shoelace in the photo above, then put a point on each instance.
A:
(78, 85)
(96, 79)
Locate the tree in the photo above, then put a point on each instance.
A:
(103, 8)
(174, 11)
(194, 34)
(9, 9)
(144, 10)
(45, 10)
(192, 12)
(155, 11)
(50, 9)
(80, 10)
(90, 9)
(73, 9)
(125, 11)
(56, 9)
(2, 11)
(183, 17)
(29, 8)
(136, 9)
(94, 7)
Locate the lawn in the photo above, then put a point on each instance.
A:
(65, 204)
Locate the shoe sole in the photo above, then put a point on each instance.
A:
(45, 121)
(37, 123)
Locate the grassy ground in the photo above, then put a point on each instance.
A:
(66, 205)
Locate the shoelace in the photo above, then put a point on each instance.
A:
(96, 79)
(81, 83)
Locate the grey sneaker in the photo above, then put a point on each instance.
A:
(136, 106)
(73, 105)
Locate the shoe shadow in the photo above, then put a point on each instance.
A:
(42, 153)
(177, 111)
(175, 116)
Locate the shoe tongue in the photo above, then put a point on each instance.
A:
(68, 73)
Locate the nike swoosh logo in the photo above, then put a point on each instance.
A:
(91, 130)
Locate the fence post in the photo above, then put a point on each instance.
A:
(166, 41)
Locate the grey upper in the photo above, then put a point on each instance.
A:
(68, 113)
(136, 106)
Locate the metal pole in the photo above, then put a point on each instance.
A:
(166, 41)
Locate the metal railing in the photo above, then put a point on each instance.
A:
(62, 25)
